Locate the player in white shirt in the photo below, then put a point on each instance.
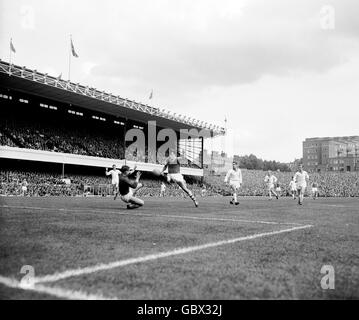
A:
(315, 192)
(293, 188)
(234, 180)
(163, 189)
(24, 185)
(301, 178)
(203, 191)
(114, 173)
(271, 180)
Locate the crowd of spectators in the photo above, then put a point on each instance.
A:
(6, 141)
(331, 184)
(60, 138)
(50, 184)
(39, 184)
(70, 138)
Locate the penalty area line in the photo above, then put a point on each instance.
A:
(53, 291)
(151, 257)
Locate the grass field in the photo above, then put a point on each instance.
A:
(92, 248)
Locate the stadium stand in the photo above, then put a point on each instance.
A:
(37, 134)
(63, 133)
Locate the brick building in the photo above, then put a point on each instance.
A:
(331, 154)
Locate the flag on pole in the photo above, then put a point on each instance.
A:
(151, 95)
(73, 50)
(12, 48)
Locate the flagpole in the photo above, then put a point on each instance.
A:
(10, 50)
(70, 57)
(150, 97)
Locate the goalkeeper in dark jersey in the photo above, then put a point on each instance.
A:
(174, 174)
(128, 187)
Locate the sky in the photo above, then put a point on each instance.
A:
(278, 71)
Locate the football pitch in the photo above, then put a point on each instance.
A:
(94, 248)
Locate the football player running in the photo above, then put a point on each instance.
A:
(234, 180)
(301, 179)
(174, 174)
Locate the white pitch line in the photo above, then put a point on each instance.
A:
(233, 220)
(53, 291)
(101, 267)
(154, 215)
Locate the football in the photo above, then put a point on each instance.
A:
(156, 172)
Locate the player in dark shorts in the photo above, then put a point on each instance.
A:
(174, 174)
(128, 187)
(315, 192)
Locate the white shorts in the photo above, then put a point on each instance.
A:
(234, 184)
(115, 184)
(24, 189)
(301, 188)
(126, 198)
(270, 186)
(293, 189)
(176, 177)
(314, 189)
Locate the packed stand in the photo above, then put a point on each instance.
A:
(67, 138)
(331, 184)
(64, 138)
(51, 184)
